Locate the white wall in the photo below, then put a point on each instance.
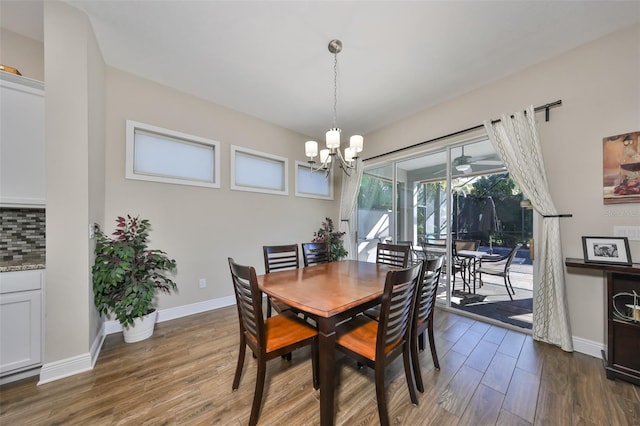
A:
(96, 164)
(599, 85)
(72, 105)
(201, 227)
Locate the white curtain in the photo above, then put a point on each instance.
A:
(516, 140)
(348, 200)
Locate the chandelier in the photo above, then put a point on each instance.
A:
(331, 154)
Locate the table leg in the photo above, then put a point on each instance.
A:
(327, 356)
(474, 273)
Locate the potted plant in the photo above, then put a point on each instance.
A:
(127, 275)
(327, 234)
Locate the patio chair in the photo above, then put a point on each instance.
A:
(434, 248)
(267, 339)
(499, 267)
(377, 343)
(415, 255)
(461, 264)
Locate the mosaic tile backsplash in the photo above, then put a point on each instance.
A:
(22, 234)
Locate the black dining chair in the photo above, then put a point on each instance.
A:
(315, 253)
(267, 338)
(423, 316)
(393, 254)
(499, 267)
(397, 255)
(277, 258)
(377, 343)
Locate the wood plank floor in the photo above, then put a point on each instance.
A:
(183, 375)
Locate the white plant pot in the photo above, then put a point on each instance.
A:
(142, 328)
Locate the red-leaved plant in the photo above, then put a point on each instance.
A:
(126, 273)
(327, 234)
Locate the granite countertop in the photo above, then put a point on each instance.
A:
(22, 265)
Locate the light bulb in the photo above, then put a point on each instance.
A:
(333, 138)
(356, 142)
(324, 156)
(311, 148)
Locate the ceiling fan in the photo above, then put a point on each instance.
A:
(463, 162)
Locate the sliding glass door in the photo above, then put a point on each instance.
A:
(375, 206)
(435, 199)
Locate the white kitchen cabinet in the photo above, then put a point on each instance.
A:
(20, 320)
(22, 142)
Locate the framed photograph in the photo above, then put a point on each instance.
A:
(611, 250)
(621, 168)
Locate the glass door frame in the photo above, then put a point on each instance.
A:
(449, 149)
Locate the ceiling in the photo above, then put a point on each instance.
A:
(270, 59)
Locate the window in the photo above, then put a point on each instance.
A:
(313, 184)
(160, 155)
(258, 172)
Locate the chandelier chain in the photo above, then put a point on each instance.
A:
(335, 90)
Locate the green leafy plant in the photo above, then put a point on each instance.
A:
(126, 273)
(327, 234)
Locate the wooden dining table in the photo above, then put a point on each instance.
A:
(330, 292)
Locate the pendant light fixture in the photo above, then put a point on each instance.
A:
(332, 154)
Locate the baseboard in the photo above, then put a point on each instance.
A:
(588, 347)
(19, 376)
(65, 368)
(97, 345)
(195, 308)
(113, 326)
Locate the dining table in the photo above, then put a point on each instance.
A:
(330, 293)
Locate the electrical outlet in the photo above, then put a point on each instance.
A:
(202, 282)
(92, 230)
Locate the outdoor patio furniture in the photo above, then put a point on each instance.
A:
(463, 264)
(499, 267)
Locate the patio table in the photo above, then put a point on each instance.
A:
(472, 259)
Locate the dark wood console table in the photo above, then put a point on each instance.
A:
(622, 359)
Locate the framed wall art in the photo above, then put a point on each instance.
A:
(621, 168)
(611, 250)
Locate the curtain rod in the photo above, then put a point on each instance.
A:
(544, 107)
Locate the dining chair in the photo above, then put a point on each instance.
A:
(277, 258)
(393, 254)
(315, 253)
(267, 338)
(423, 316)
(377, 343)
(499, 267)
